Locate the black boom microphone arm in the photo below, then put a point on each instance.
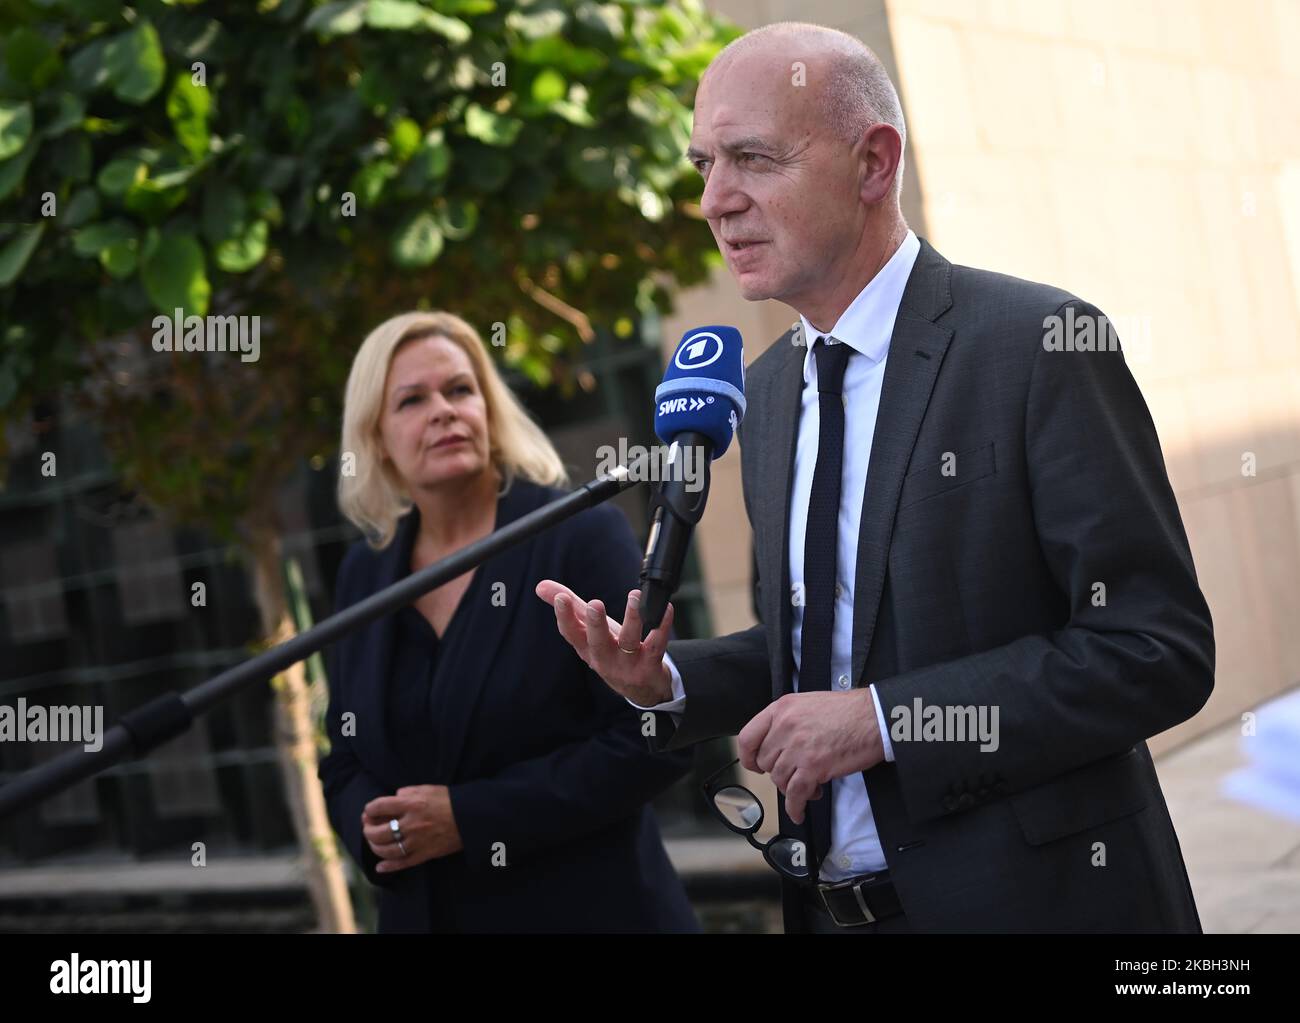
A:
(144, 728)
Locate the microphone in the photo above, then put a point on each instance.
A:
(698, 406)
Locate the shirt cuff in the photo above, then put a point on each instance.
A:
(884, 728)
(677, 705)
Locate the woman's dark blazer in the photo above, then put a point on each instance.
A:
(546, 766)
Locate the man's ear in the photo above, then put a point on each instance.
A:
(880, 152)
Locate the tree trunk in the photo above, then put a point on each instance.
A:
(295, 741)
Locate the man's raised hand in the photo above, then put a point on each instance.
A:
(614, 650)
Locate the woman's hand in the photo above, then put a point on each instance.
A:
(424, 814)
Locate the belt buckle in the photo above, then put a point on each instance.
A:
(856, 887)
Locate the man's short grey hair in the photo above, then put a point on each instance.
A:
(859, 92)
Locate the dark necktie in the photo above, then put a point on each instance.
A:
(820, 546)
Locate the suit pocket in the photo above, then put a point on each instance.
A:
(945, 474)
(1099, 792)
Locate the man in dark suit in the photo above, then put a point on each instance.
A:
(976, 594)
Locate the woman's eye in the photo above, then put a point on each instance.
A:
(463, 389)
(407, 400)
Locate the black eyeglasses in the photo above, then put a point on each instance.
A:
(742, 812)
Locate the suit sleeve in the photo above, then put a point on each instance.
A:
(587, 785)
(347, 786)
(726, 681)
(1123, 667)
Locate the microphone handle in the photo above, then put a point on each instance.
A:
(676, 511)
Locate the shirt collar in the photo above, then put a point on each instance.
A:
(868, 323)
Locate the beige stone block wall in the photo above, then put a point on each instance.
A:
(1144, 154)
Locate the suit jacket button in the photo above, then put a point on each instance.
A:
(966, 801)
(949, 803)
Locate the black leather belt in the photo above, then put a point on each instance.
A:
(856, 901)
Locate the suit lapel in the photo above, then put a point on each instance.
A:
(916, 351)
(484, 631)
(376, 643)
(785, 388)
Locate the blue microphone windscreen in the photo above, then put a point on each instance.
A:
(703, 389)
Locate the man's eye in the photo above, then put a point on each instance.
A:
(751, 157)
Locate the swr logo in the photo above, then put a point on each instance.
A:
(670, 405)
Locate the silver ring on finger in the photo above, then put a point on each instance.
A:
(402, 847)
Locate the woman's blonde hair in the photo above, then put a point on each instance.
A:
(373, 496)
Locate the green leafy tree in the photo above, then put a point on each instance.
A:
(323, 167)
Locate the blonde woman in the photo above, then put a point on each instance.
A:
(479, 772)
